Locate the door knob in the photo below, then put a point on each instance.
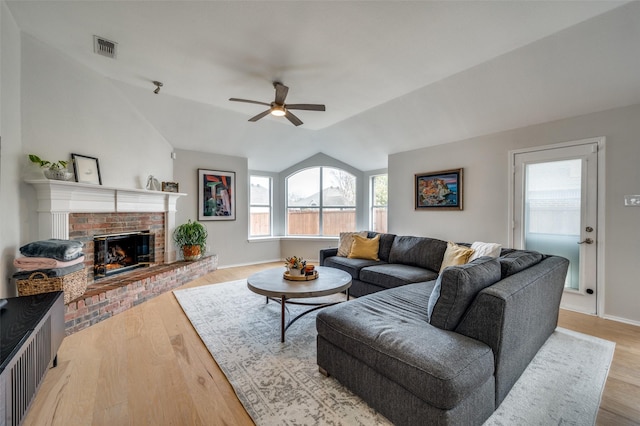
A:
(586, 241)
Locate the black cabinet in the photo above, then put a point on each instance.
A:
(31, 331)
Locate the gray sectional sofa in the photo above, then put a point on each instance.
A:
(438, 349)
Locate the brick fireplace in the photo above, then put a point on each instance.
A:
(85, 226)
(70, 210)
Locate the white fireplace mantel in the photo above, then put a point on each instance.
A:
(56, 199)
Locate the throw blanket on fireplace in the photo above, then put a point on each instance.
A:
(63, 250)
(50, 273)
(38, 263)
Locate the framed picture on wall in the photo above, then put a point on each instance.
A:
(216, 195)
(439, 190)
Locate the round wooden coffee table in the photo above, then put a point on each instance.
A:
(270, 283)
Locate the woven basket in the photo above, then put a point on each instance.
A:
(73, 284)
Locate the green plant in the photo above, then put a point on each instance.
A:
(57, 165)
(190, 234)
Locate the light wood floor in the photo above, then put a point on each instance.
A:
(147, 366)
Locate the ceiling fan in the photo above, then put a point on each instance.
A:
(279, 108)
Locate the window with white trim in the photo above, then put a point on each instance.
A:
(321, 201)
(260, 206)
(379, 203)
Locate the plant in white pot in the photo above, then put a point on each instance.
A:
(191, 238)
(53, 170)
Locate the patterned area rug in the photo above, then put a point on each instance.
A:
(279, 383)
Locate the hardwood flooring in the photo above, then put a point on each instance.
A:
(147, 366)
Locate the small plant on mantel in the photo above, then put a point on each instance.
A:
(191, 238)
(53, 170)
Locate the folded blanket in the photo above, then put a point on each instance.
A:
(50, 273)
(35, 263)
(64, 250)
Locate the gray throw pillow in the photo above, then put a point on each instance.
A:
(455, 289)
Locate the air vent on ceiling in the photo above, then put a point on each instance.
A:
(104, 47)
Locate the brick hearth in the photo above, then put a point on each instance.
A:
(110, 296)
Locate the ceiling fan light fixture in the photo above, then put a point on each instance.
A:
(278, 111)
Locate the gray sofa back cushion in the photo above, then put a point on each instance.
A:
(456, 287)
(386, 240)
(418, 251)
(518, 260)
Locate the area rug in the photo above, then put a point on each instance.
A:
(279, 383)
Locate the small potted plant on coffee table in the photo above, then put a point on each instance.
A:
(191, 238)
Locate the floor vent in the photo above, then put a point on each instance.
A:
(104, 47)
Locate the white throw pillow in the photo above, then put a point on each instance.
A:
(346, 239)
(485, 249)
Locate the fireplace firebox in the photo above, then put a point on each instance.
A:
(116, 253)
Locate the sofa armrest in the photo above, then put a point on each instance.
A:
(516, 316)
(325, 253)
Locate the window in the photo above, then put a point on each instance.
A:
(321, 201)
(260, 206)
(379, 202)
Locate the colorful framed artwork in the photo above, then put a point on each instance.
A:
(86, 169)
(439, 190)
(216, 195)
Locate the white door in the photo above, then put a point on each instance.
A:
(555, 211)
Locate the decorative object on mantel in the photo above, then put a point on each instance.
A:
(54, 170)
(86, 169)
(191, 238)
(153, 184)
(170, 186)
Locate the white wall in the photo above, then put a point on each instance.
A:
(227, 239)
(484, 218)
(10, 149)
(68, 108)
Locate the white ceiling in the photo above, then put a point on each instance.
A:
(426, 72)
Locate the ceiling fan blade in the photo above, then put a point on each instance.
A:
(259, 116)
(281, 93)
(310, 107)
(292, 118)
(249, 101)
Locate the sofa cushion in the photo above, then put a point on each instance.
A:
(364, 248)
(389, 332)
(455, 255)
(391, 275)
(456, 287)
(418, 251)
(352, 266)
(386, 241)
(485, 249)
(518, 260)
(346, 239)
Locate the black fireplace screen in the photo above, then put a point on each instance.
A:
(117, 253)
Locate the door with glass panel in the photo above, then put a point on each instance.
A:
(555, 212)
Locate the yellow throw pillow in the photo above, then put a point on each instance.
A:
(346, 239)
(456, 255)
(365, 248)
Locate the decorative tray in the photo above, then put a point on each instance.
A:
(290, 277)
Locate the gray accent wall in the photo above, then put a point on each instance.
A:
(485, 161)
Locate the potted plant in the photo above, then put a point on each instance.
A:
(54, 170)
(191, 238)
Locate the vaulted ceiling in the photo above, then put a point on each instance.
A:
(394, 75)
